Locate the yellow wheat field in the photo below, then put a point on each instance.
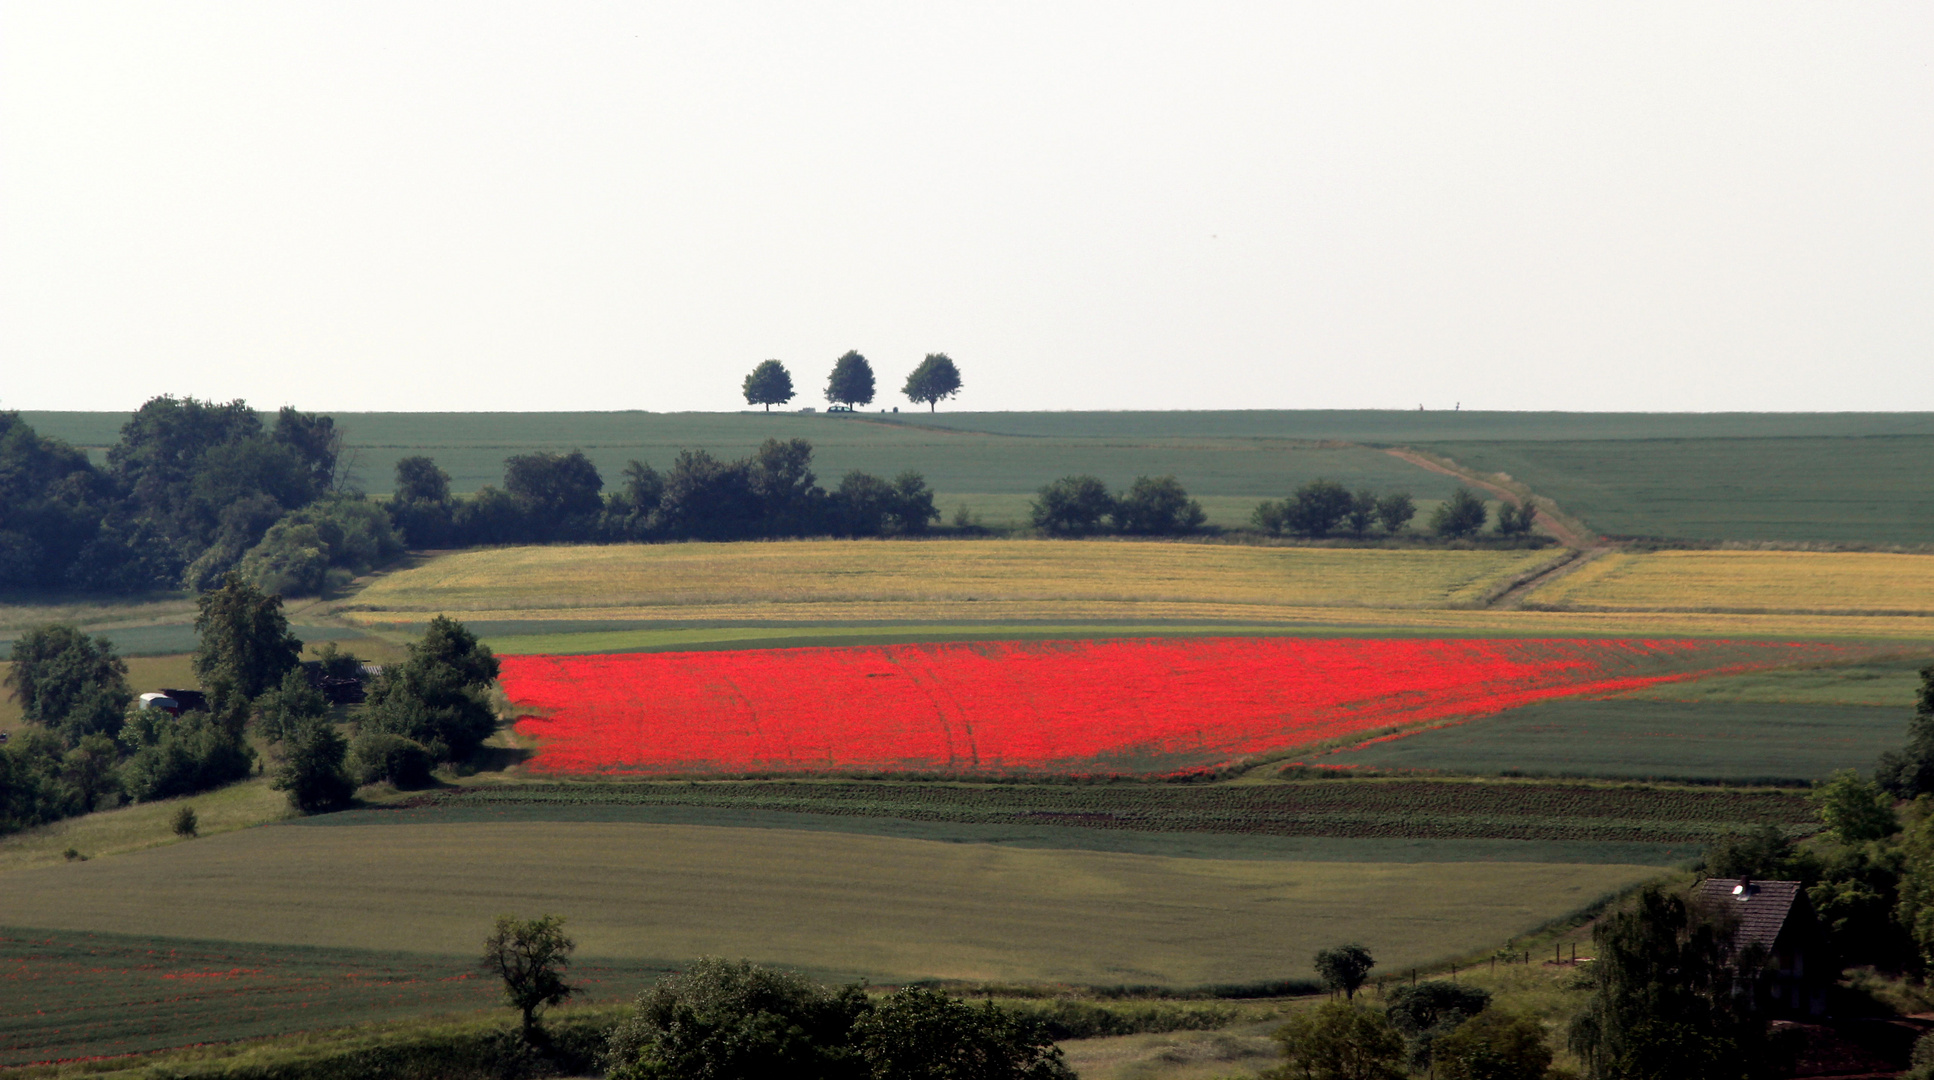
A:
(937, 579)
(1749, 581)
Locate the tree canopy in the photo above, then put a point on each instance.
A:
(69, 682)
(246, 647)
(851, 382)
(769, 384)
(935, 380)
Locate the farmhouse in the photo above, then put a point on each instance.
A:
(1774, 918)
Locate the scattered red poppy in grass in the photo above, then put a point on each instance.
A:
(1073, 707)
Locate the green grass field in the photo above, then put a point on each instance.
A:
(1640, 738)
(883, 907)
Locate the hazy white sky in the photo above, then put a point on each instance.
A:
(406, 205)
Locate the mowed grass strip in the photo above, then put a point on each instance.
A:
(885, 908)
(697, 576)
(1749, 581)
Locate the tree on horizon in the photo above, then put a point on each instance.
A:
(851, 382)
(936, 379)
(769, 384)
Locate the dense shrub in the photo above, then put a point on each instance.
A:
(1072, 506)
(439, 696)
(377, 757)
(1157, 506)
(180, 756)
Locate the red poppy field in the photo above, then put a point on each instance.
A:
(1085, 707)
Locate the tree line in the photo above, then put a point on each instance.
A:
(89, 745)
(194, 489)
(1323, 508)
(551, 497)
(851, 382)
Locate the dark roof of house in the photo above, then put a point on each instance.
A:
(1762, 906)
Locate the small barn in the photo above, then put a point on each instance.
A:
(1774, 917)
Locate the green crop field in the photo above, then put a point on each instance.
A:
(98, 994)
(882, 907)
(1851, 490)
(1636, 737)
(1347, 809)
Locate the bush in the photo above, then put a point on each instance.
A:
(312, 768)
(1158, 506)
(1494, 1045)
(921, 1033)
(1072, 506)
(180, 756)
(185, 823)
(437, 697)
(377, 757)
(1339, 1041)
(1462, 514)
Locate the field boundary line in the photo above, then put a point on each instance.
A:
(1569, 530)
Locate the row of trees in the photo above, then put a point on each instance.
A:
(188, 488)
(89, 744)
(851, 383)
(550, 497)
(1082, 505)
(727, 1019)
(1323, 508)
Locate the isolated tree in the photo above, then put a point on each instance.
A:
(1662, 1005)
(1344, 968)
(246, 648)
(530, 955)
(935, 380)
(918, 1032)
(1072, 506)
(769, 384)
(851, 382)
(1157, 506)
(1460, 515)
(1494, 1045)
(1394, 511)
(1339, 1041)
(69, 682)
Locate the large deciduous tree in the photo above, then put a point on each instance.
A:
(935, 380)
(851, 382)
(769, 384)
(69, 682)
(246, 648)
(1909, 771)
(439, 696)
